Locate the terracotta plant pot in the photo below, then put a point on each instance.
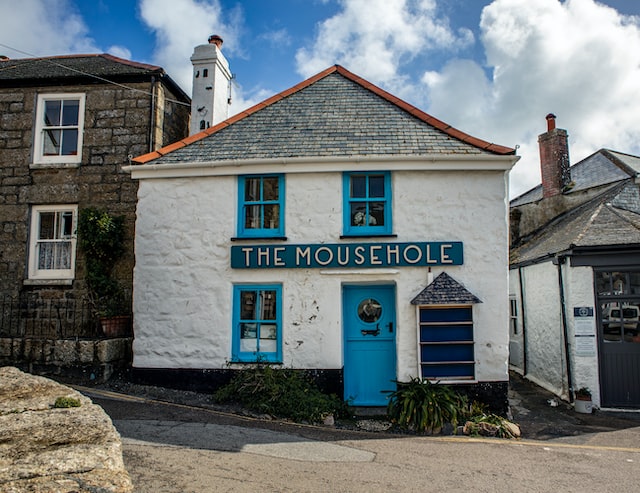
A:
(116, 326)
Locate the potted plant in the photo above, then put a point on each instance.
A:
(101, 237)
(583, 403)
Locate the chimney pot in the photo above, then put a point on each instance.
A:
(214, 39)
(551, 122)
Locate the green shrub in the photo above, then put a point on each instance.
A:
(63, 402)
(284, 393)
(423, 406)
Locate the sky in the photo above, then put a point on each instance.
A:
(491, 68)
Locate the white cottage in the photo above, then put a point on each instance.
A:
(575, 275)
(334, 229)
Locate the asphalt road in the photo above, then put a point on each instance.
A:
(177, 448)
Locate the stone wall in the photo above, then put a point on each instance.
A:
(80, 361)
(117, 124)
(47, 449)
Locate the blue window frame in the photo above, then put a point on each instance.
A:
(260, 206)
(367, 203)
(257, 323)
(446, 343)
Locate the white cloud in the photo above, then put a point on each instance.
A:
(44, 27)
(374, 38)
(578, 59)
(179, 25)
(119, 51)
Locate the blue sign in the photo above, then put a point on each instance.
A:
(369, 255)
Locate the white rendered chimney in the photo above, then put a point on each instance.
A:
(211, 95)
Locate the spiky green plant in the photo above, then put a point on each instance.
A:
(423, 406)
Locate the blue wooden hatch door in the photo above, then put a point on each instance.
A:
(369, 327)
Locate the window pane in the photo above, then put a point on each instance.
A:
(268, 331)
(271, 191)
(358, 186)
(69, 142)
(268, 305)
(619, 283)
(70, 112)
(611, 323)
(376, 214)
(52, 110)
(66, 224)
(51, 144)
(358, 214)
(603, 283)
(248, 305)
(248, 338)
(252, 217)
(634, 281)
(47, 226)
(376, 186)
(252, 189)
(271, 216)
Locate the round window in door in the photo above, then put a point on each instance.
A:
(369, 310)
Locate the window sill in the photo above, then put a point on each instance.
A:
(48, 282)
(54, 165)
(370, 235)
(261, 238)
(253, 362)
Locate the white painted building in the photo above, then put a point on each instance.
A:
(575, 275)
(334, 229)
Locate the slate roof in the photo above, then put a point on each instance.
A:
(610, 219)
(603, 167)
(71, 69)
(444, 290)
(334, 113)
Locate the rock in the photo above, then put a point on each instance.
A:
(512, 428)
(44, 449)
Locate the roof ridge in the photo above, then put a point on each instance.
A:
(414, 111)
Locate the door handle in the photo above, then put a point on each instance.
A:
(371, 332)
(390, 326)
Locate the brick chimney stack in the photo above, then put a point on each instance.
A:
(554, 159)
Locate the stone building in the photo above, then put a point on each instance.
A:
(575, 275)
(67, 127)
(333, 229)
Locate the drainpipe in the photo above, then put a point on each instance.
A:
(559, 260)
(152, 122)
(524, 322)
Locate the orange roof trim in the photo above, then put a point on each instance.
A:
(421, 115)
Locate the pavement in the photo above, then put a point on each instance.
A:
(539, 420)
(177, 441)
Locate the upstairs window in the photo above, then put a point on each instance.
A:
(257, 323)
(59, 128)
(261, 206)
(367, 204)
(52, 249)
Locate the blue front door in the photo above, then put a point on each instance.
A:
(369, 319)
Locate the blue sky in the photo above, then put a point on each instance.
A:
(492, 68)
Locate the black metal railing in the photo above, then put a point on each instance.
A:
(31, 316)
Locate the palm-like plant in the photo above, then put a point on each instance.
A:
(424, 406)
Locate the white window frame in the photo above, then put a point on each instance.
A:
(35, 273)
(38, 143)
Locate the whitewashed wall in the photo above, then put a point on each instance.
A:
(516, 341)
(183, 282)
(579, 292)
(546, 355)
(545, 347)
